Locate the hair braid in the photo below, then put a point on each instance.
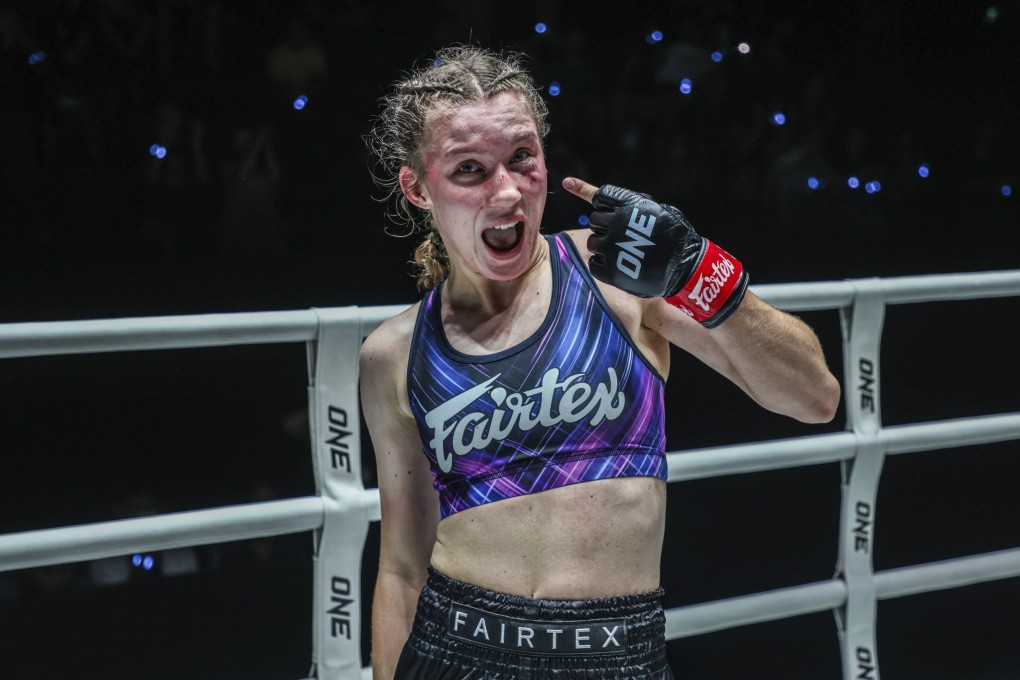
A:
(431, 260)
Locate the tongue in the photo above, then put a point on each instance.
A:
(502, 239)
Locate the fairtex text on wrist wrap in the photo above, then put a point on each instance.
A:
(714, 290)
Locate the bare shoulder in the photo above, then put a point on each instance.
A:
(580, 239)
(383, 360)
(391, 338)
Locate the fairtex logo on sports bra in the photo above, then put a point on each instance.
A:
(566, 401)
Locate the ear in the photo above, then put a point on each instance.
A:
(415, 191)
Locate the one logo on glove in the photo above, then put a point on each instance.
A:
(707, 288)
(631, 253)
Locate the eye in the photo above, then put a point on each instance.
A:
(468, 168)
(521, 156)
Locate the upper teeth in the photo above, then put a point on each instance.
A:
(505, 226)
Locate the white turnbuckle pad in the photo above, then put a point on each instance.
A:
(862, 330)
(336, 443)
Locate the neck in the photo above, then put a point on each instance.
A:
(481, 316)
(473, 294)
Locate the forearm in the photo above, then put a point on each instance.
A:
(777, 359)
(393, 610)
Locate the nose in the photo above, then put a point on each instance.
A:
(505, 191)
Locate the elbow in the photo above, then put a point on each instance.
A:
(822, 402)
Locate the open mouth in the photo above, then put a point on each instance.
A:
(504, 237)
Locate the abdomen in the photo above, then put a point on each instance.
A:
(596, 539)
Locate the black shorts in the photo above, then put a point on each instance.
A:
(462, 631)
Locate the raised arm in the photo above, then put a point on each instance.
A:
(694, 295)
(410, 507)
(773, 356)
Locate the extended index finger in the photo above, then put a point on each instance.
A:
(580, 188)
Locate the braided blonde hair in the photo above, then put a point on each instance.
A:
(431, 260)
(456, 75)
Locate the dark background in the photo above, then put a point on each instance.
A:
(258, 205)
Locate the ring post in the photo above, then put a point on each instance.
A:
(336, 452)
(862, 332)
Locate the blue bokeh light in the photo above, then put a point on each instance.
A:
(554, 89)
(36, 57)
(853, 182)
(924, 170)
(717, 57)
(583, 220)
(686, 85)
(154, 149)
(779, 118)
(161, 152)
(1006, 190)
(813, 182)
(541, 27)
(300, 102)
(873, 187)
(148, 563)
(654, 37)
(136, 560)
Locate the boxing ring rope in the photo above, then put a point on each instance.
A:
(341, 512)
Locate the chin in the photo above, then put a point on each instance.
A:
(512, 264)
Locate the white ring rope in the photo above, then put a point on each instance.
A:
(344, 508)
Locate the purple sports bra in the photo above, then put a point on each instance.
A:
(575, 402)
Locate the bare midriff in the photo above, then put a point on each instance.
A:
(596, 539)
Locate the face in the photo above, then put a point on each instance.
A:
(485, 184)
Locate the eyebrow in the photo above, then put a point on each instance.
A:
(467, 149)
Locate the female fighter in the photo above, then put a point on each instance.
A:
(517, 411)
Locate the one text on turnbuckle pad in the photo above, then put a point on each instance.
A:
(862, 526)
(339, 449)
(340, 613)
(866, 387)
(865, 665)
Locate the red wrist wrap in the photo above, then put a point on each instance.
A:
(710, 286)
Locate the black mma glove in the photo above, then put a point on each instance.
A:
(650, 250)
